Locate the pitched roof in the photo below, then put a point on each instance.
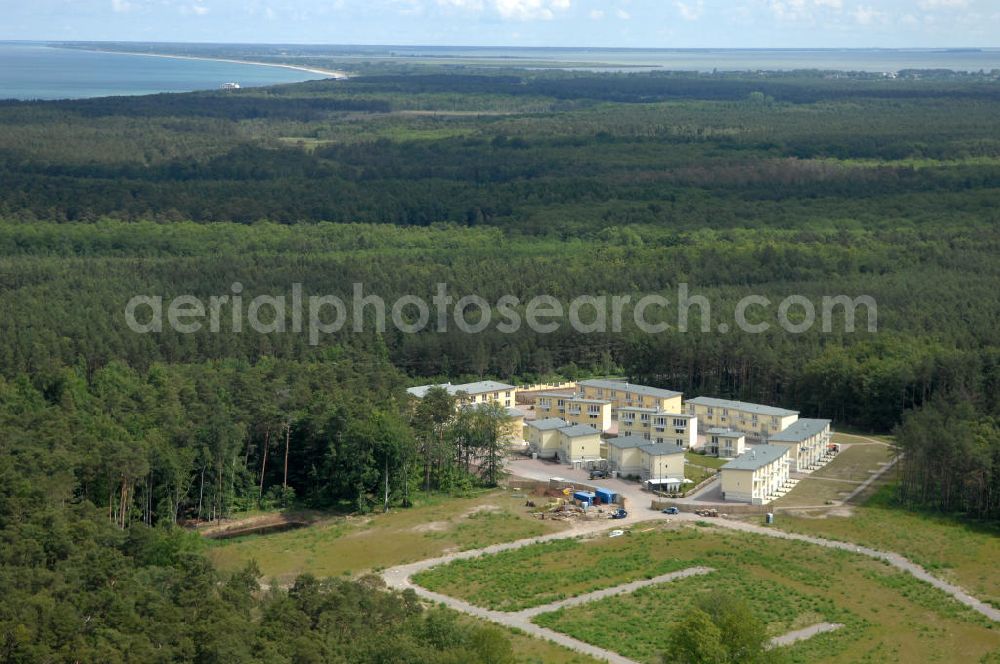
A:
(631, 387)
(628, 442)
(579, 430)
(799, 430)
(756, 457)
(742, 405)
(728, 433)
(547, 424)
(661, 449)
(469, 388)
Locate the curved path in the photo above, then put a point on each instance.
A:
(399, 577)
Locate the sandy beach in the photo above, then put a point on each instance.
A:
(330, 73)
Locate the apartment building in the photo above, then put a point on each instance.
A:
(662, 461)
(626, 395)
(579, 444)
(757, 475)
(543, 436)
(636, 456)
(679, 429)
(757, 422)
(484, 391)
(724, 443)
(807, 441)
(515, 427)
(575, 409)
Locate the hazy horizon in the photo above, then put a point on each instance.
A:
(645, 24)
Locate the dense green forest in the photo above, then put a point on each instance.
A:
(494, 183)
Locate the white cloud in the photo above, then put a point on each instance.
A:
(597, 14)
(943, 4)
(622, 14)
(528, 10)
(802, 11)
(866, 15)
(517, 10)
(690, 11)
(121, 6)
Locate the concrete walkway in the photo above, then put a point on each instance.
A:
(868, 482)
(614, 590)
(400, 577)
(803, 634)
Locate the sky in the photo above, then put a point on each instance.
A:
(605, 23)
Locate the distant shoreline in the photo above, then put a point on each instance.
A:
(331, 73)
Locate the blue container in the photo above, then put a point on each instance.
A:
(607, 496)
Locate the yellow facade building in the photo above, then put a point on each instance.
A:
(724, 443)
(579, 444)
(635, 456)
(484, 391)
(575, 409)
(627, 395)
(757, 422)
(807, 441)
(757, 476)
(543, 436)
(656, 426)
(662, 461)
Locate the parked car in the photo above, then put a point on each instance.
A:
(599, 474)
(671, 510)
(619, 514)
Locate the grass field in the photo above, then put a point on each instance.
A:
(547, 572)
(350, 545)
(963, 552)
(529, 650)
(702, 460)
(890, 616)
(837, 479)
(697, 474)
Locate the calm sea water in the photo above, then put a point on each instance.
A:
(35, 71)
(29, 71)
(867, 60)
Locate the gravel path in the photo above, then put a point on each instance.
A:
(400, 577)
(614, 590)
(868, 482)
(803, 634)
